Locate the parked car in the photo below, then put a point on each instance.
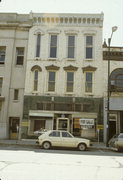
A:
(40, 131)
(116, 142)
(58, 138)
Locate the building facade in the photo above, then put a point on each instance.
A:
(64, 74)
(14, 30)
(115, 89)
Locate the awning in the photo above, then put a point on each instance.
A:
(41, 114)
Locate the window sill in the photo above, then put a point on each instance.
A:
(89, 93)
(88, 59)
(52, 59)
(19, 65)
(70, 59)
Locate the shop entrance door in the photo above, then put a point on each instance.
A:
(112, 129)
(14, 128)
(63, 124)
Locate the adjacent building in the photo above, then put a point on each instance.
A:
(14, 30)
(64, 74)
(115, 55)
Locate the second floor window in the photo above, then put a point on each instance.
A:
(2, 54)
(19, 55)
(70, 81)
(71, 46)
(51, 82)
(35, 80)
(53, 46)
(89, 47)
(16, 94)
(1, 83)
(38, 45)
(88, 82)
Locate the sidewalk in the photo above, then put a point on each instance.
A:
(32, 143)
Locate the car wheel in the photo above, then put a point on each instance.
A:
(46, 145)
(82, 147)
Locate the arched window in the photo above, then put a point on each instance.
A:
(35, 72)
(116, 80)
(35, 80)
(38, 45)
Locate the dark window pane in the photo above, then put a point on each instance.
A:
(20, 60)
(70, 52)
(89, 76)
(70, 76)
(16, 92)
(53, 52)
(38, 45)
(89, 40)
(88, 84)
(78, 107)
(88, 52)
(53, 40)
(20, 55)
(71, 40)
(40, 106)
(2, 54)
(51, 76)
(71, 46)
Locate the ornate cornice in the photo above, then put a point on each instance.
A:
(70, 68)
(52, 67)
(89, 68)
(70, 19)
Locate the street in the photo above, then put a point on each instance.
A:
(19, 163)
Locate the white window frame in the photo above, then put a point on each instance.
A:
(50, 81)
(92, 82)
(70, 92)
(53, 58)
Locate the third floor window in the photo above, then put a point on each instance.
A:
(38, 45)
(53, 46)
(89, 47)
(19, 55)
(71, 46)
(2, 54)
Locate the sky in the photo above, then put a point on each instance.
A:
(112, 9)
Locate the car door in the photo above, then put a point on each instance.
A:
(54, 138)
(120, 141)
(67, 139)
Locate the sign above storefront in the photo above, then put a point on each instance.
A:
(87, 122)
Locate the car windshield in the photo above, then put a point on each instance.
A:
(120, 136)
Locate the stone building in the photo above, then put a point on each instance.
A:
(14, 30)
(115, 88)
(64, 74)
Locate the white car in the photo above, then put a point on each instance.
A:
(57, 138)
(116, 142)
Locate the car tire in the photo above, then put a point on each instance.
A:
(82, 147)
(46, 145)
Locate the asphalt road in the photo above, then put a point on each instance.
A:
(22, 163)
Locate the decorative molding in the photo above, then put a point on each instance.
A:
(36, 67)
(52, 67)
(89, 68)
(71, 31)
(70, 68)
(39, 31)
(53, 31)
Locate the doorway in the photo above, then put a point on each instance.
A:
(112, 129)
(63, 124)
(14, 127)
